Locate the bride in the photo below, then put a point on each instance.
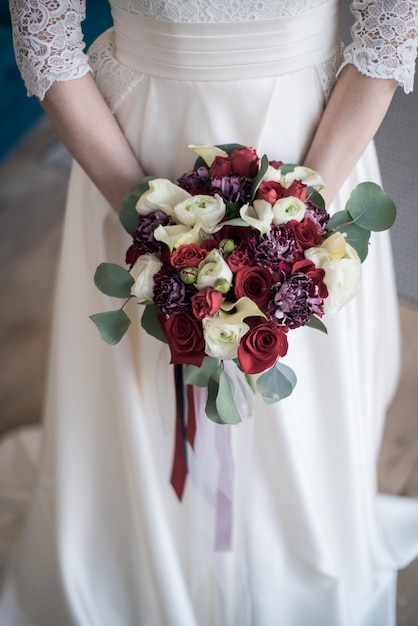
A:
(106, 540)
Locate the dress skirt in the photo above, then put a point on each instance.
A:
(280, 523)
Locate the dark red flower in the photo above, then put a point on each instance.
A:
(254, 282)
(261, 346)
(220, 167)
(245, 162)
(188, 255)
(306, 233)
(184, 336)
(206, 302)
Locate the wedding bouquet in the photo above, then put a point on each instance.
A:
(230, 259)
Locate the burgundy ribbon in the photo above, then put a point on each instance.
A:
(185, 431)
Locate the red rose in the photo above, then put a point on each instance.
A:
(306, 233)
(315, 273)
(238, 258)
(237, 233)
(270, 191)
(220, 167)
(261, 346)
(255, 282)
(187, 255)
(276, 164)
(245, 162)
(206, 302)
(297, 189)
(184, 335)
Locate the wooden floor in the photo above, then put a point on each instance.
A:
(33, 183)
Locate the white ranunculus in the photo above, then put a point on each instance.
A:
(342, 268)
(143, 273)
(211, 269)
(162, 195)
(177, 235)
(286, 209)
(259, 215)
(222, 339)
(208, 209)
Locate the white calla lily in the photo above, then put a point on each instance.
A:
(306, 175)
(178, 235)
(259, 215)
(208, 153)
(162, 195)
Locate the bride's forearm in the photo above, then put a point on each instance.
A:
(87, 127)
(351, 118)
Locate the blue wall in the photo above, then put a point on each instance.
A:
(18, 112)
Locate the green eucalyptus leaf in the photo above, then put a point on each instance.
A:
(220, 405)
(150, 323)
(356, 236)
(129, 216)
(113, 280)
(225, 401)
(200, 376)
(112, 325)
(264, 163)
(339, 220)
(317, 324)
(286, 168)
(371, 208)
(314, 196)
(277, 383)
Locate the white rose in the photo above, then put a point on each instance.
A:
(209, 210)
(342, 268)
(143, 273)
(222, 339)
(286, 209)
(259, 215)
(211, 269)
(162, 195)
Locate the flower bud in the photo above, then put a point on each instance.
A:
(226, 246)
(189, 275)
(222, 285)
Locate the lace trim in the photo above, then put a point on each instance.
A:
(48, 42)
(114, 80)
(384, 40)
(215, 10)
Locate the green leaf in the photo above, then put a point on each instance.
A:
(129, 216)
(314, 196)
(200, 376)
(277, 383)
(113, 280)
(356, 236)
(371, 208)
(261, 171)
(112, 325)
(317, 324)
(286, 168)
(150, 323)
(220, 405)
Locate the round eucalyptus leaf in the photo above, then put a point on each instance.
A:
(113, 280)
(112, 325)
(371, 208)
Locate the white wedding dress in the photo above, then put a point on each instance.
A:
(106, 541)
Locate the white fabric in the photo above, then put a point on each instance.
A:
(106, 541)
(48, 37)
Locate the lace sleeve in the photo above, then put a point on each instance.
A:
(384, 39)
(48, 42)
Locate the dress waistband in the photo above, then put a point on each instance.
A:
(201, 51)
